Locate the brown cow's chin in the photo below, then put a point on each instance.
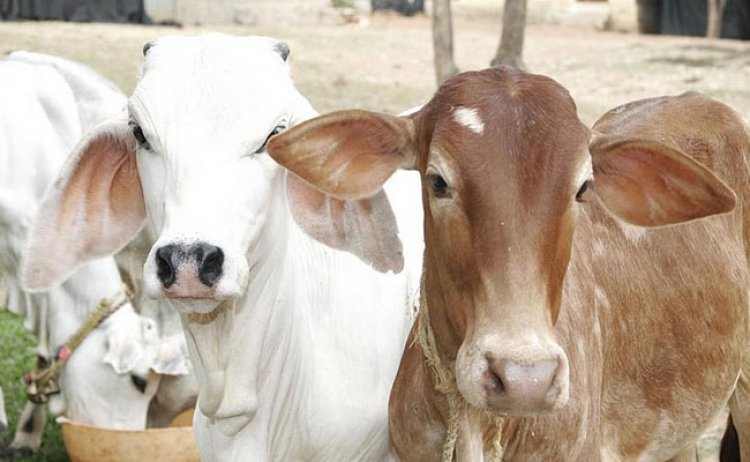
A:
(501, 406)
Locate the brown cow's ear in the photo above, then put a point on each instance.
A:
(91, 210)
(646, 183)
(346, 154)
(339, 163)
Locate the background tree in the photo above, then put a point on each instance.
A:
(510, 50)
(715, 15)
(442, 40)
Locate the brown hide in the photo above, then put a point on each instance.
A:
(653, 320)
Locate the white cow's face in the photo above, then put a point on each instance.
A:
(188, 159)
(201, 114)
(109, 381)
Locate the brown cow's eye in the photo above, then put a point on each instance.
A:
(439, 185)
(581, 194)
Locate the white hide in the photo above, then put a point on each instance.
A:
(3, 416)
(39, 123)
(96, 97)
(299, 365)
(296, 352)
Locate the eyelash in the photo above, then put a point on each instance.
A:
(439, 186)
(584, 187)
(278, 129)
(139, 136)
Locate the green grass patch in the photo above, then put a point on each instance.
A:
(17, 355)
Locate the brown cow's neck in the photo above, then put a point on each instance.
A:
(448, 338)
(461, 417)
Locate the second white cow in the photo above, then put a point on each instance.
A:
(295, 344)
(45, 102)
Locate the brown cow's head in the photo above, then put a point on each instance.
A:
(503, 159)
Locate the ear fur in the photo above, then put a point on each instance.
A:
(346, 154)
(366, 228)
(646, 183)
(338, 164)
(92, 210)
(172, 357)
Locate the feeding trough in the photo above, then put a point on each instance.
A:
(86, 443)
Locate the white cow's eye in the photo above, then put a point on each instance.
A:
(278, 129)
(139, 136)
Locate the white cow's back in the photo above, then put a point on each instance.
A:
(40, 123)
(37, 114)
(29, 93)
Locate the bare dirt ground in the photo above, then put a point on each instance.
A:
(386, 65)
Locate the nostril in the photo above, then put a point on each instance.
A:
(211, 264)
(164, 269)
(495, 382)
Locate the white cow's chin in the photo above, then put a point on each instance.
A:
(195, 305)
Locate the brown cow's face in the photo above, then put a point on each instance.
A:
(502, 159)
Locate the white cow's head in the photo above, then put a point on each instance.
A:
(189, 155)
(110, 379)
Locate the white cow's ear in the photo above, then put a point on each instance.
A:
(92, 210)
(132, 341)
(647, 183)
(172, 357)
(366, 228)
(339, 163)
(122, 353)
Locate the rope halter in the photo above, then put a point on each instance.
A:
(445, 383)
(41, 382)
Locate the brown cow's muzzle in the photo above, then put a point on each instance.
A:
(519, 386)
(523, 377)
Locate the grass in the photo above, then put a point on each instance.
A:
(17, 355)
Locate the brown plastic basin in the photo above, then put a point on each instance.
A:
(85, 443)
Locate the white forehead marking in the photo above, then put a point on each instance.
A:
(469, 118)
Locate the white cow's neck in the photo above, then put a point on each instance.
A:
(305, 362)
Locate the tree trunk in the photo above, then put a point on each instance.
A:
(715, 15)
(649, 16)
(442, 40)
(511, 42)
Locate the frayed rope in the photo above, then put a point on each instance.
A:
(445, 383)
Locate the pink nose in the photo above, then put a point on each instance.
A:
(520, 387)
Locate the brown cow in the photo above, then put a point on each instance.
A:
(552, 280)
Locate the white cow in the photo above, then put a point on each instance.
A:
(109, 381)
(295, 344)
